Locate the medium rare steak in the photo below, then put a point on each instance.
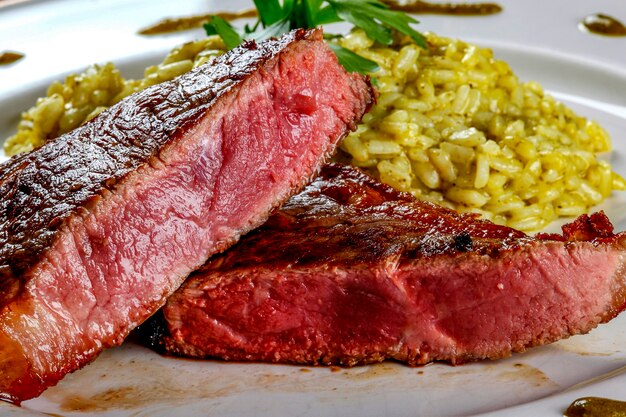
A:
(99, 226)
(351, 271)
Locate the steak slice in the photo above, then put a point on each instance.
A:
(351, 271)
(100, 226)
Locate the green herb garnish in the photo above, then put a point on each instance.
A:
(219, 26)
(277, 18)
(376, 19)
(353, 62)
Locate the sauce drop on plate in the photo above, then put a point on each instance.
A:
(9, 57)
(596, 407)
(460, 9)
(602, 24)
(175, 24)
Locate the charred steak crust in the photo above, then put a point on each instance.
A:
(350, 271)
(41, 189)
(99, 226)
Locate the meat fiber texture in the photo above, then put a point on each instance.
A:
(100, 226)
(351, 272)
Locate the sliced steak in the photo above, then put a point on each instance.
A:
(351, 271)
(99, 226)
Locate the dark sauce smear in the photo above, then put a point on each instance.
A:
(602, 24)
(459, 9)
(176, 24)
(9, 57)
(596, 407)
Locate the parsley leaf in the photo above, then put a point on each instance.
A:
(373, 30)
(270, 11)
(277, 18)
(218, 26)
(353, 62)
(375, 18)
(326, 15)
(272, 31)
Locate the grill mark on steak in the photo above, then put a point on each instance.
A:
(100, 225)
(350, 271)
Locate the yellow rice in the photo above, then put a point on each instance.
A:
(82, 96)
(453, 125)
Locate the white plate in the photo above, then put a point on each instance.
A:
(539, 39)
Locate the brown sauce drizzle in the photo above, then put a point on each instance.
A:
(602, 24)
(175, 24)
(9, 57)
(596, 407)
(458, 9)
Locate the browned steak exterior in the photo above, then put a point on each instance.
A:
(351, 271)
(99, 226)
